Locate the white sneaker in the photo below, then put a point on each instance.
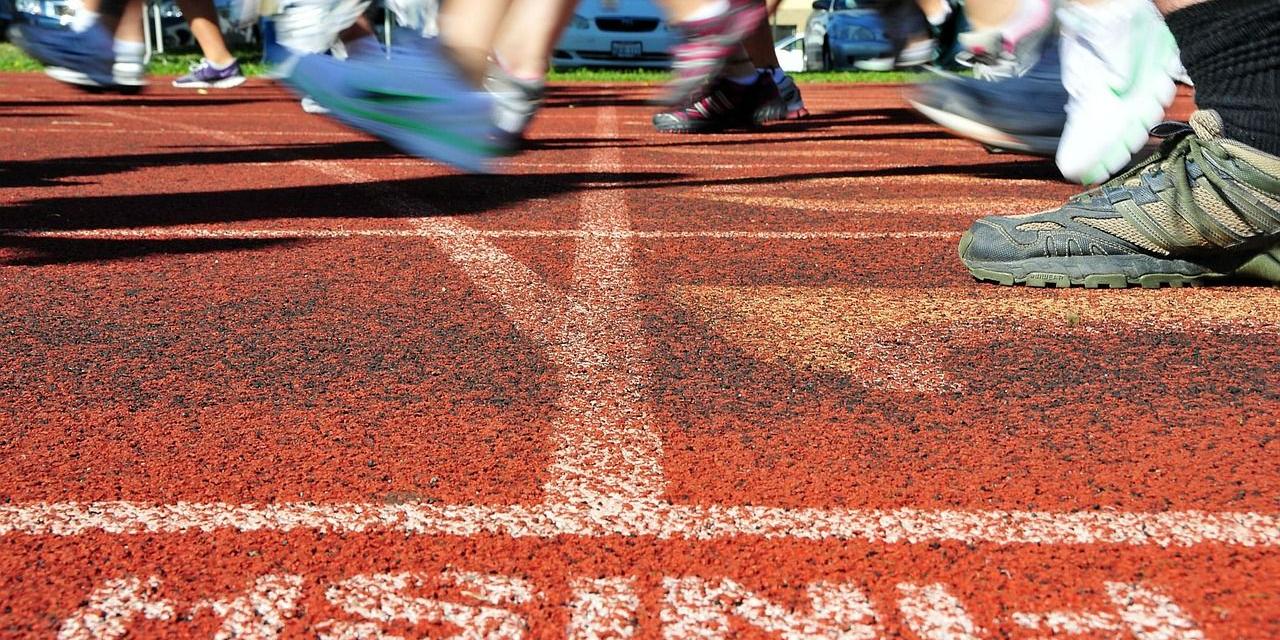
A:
(1117, 58)
(310, 105)
(126, 77)
(916, 54)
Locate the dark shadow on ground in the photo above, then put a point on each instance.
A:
(130, 101)
(34, 252)
(57, 171)
(752, 137)
(38, 114)
(439, 195)
(1031, 169)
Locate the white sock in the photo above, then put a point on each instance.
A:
(84, 19)
(936, 19)
(709, 10)
(222, 66)
(364, 47)
(128, 50)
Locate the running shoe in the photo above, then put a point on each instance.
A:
(911, 56)
(1011, 51)
(205, 75)
(309, 105)
(1024, 113)
(726, 105)
(416, 100)
(1202, 208)
(791, 97)
(1117, 61)
(126, 77)
(706, 47)
(84, 54)
(515, 102)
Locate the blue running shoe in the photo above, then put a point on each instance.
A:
(1025, 113)
(416, 100)
(86, 52)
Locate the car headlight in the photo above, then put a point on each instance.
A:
(579, 22)
(28, 6)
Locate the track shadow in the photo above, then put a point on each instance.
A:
(58, 171)
(753, 137)
(1030, 169)
(439, 195)
(35, 252)
(141, 101)
(37, 114)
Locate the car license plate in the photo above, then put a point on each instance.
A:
(627, 49)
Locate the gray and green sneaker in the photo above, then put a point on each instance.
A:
(1202, 208)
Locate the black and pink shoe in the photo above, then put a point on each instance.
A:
(707, 45)
(726, 105)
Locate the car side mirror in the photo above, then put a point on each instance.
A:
(822, 5)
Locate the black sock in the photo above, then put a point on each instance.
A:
(1231, 49)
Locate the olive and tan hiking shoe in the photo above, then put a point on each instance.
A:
(1202, 208)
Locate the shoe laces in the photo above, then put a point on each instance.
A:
(1183, 146)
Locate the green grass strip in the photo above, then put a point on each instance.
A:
(12, 59)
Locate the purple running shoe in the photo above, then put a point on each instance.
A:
(204, 75)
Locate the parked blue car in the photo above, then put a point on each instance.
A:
(841, 32)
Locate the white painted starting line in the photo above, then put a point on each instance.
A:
(437, 232)
(606, 476)
(619, 517)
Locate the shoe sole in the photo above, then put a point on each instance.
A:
(229, 83)
(1120, 272)
(987, 135)
(420, 136)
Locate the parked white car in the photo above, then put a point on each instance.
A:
(790, 52)
(616, 33)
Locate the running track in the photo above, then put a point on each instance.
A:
(264, 378)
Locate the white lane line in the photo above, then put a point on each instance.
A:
(444, 231)
(665, 521)
(607, 457)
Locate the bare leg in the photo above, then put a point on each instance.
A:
(680, 10)
(529, 34)
(203, 18)
(1169, 6)
(130, 27)
(468, 29)
(989, 14)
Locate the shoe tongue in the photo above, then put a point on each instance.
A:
(1207, 124)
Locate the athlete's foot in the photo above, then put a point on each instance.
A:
(1117, 61)
(1023, 113)
(417, 100)
(207, 75)
(726, 105)
(1203, 208)
(515, 102)
(83, 58)
(791, 96)
(707, 45)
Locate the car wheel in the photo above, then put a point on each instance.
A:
(828, 63)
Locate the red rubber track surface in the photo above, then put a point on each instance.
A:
(637, 385)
